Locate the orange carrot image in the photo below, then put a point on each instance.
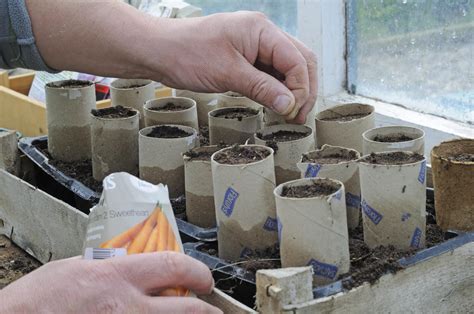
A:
(154, 234)
(122, 239)
(138, 244)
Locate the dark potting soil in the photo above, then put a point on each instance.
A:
(238, 155)
(283, 136)
(204, 135)
(462, 157)
(393, 138)
(165, 131)
(268, 258)
(237, 113)
(346, 118)
(78, 170)
(316, 189)
(368, 265)
(117, 112)
(393, 158)
(70, 84)
(169, 107)
(134, 86)
(331, 158)
(14, 262)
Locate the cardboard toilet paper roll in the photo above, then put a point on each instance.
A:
(337, 163)
(171, 110)
(114, 143)
(225, 127)
(132, 93)
(393, 188)
(343, 125)
(69, 104)
(312, 227)
(205, 104)
(160, 155)
(289, 141)
(394, 138)
(200, 207)
(245, 206)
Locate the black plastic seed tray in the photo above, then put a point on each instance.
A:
(75, 193)
(245, 280)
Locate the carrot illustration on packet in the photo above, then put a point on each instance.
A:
(154, 234)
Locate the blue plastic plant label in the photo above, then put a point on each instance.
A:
(416, 238)
(323, 269)
(230, 198)
(280, 227)
(270, 224)
(371, 213)
(352, 200)
(422, 174)
(312, 170)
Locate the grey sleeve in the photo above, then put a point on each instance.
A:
(17, 42)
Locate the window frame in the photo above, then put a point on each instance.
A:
(322, 26)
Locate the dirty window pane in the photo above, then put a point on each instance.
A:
(416, 53)
(281, 12)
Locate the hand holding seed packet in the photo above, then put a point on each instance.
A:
(132, 217)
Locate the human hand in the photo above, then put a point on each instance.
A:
(243, 52)
(117, 285)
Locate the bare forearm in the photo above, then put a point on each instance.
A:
(104, 37)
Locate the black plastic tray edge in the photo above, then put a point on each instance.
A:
(27, 147)
(192, 249)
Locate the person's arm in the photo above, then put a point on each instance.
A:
(217, 53)
(117, 285)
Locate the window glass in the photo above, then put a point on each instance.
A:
(281, 12)
(416, 53)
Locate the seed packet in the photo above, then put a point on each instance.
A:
(132, 217)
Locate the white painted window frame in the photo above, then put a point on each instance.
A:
(322, 27)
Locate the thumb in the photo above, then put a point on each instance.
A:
(264, 89)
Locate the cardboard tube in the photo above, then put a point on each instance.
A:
(205, 104)
(453, 185)
(69, 119)
(313, 231)
(132, 93)
(345, 171)
(161, 159)
(344, 133)
(232, 99)
(288, 153)
(114, 145)
(393, 203)
(272, 118)
(200, 207)
(232, 131)
(245, 206)
(186, 117)
(417, 145)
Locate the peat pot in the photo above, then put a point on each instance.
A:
(453, 177)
